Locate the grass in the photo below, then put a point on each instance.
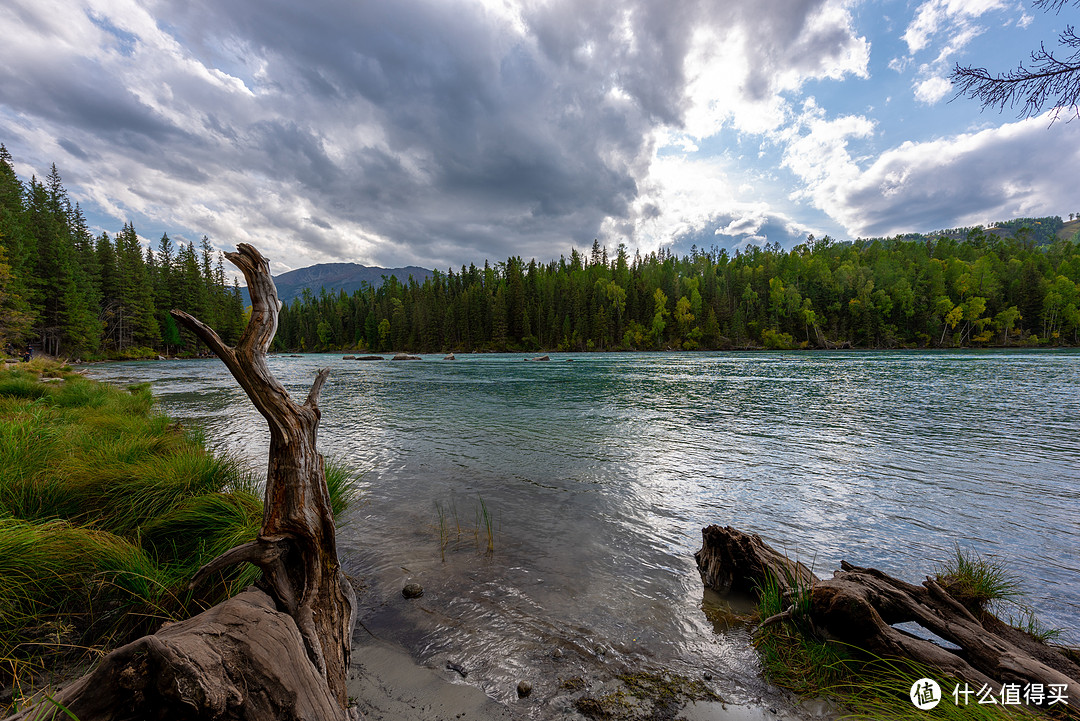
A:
(977, 582)
(449, 528)
(792, 653)
(107, 509)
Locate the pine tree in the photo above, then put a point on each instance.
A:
(136, 299)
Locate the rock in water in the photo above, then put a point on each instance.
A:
(524, 688)
(412, 590)
(405, 356)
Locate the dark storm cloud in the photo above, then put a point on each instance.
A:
(502, 130)
(83, 97)
(420, 131)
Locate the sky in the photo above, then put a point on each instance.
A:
(440, 133)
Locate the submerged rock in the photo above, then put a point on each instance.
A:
(412, 590)
(541, 358)
(524, 688)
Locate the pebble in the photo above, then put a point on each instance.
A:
(412, 590)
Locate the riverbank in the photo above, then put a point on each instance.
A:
(107, 509)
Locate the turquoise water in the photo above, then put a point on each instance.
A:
(599, 471)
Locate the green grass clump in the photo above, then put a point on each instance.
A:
(977, 582)
(107, 510)
(792, 653)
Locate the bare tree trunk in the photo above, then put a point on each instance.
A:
(279, 654)
(296, 547)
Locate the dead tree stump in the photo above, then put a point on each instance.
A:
(276, 654)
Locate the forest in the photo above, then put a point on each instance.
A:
(70, 294)
(987, 289)
(1015, 283)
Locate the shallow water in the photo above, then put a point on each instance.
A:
(599, 474)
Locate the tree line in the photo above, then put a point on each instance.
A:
(72, 294)
(986, 289)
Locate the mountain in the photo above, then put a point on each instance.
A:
(337, 276)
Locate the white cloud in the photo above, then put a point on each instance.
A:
(933, 89)
(819, 156)
(738, 73)
(936, 16)
(1017, 169)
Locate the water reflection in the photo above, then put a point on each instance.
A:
(601, 473)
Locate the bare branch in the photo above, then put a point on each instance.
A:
(1049, 82)
(205, 333)
(316, 387)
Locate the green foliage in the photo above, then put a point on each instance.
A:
(989, 289)
(76, 295)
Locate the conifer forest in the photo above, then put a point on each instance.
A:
(1015, 283)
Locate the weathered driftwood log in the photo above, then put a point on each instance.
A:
(860, 606)
(277, 653)
(731, 561)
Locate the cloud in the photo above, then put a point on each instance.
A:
(932, 89)
(432, 132)
(689, 201)
(934, 17)
(1017, 169)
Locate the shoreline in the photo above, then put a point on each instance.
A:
(387, 684)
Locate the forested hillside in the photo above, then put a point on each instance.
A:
(69, 293)
(1015, 283)
(981, 291)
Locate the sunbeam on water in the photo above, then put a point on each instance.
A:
(551, 510)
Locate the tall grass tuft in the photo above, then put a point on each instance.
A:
(343, 484)
(977, 582)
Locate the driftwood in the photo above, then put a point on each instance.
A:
(280, 652)
(859, 607)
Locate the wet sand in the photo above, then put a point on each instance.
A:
(387, 684)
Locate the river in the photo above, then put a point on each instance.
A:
(597, 473)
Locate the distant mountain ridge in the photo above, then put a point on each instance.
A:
(338, 276)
